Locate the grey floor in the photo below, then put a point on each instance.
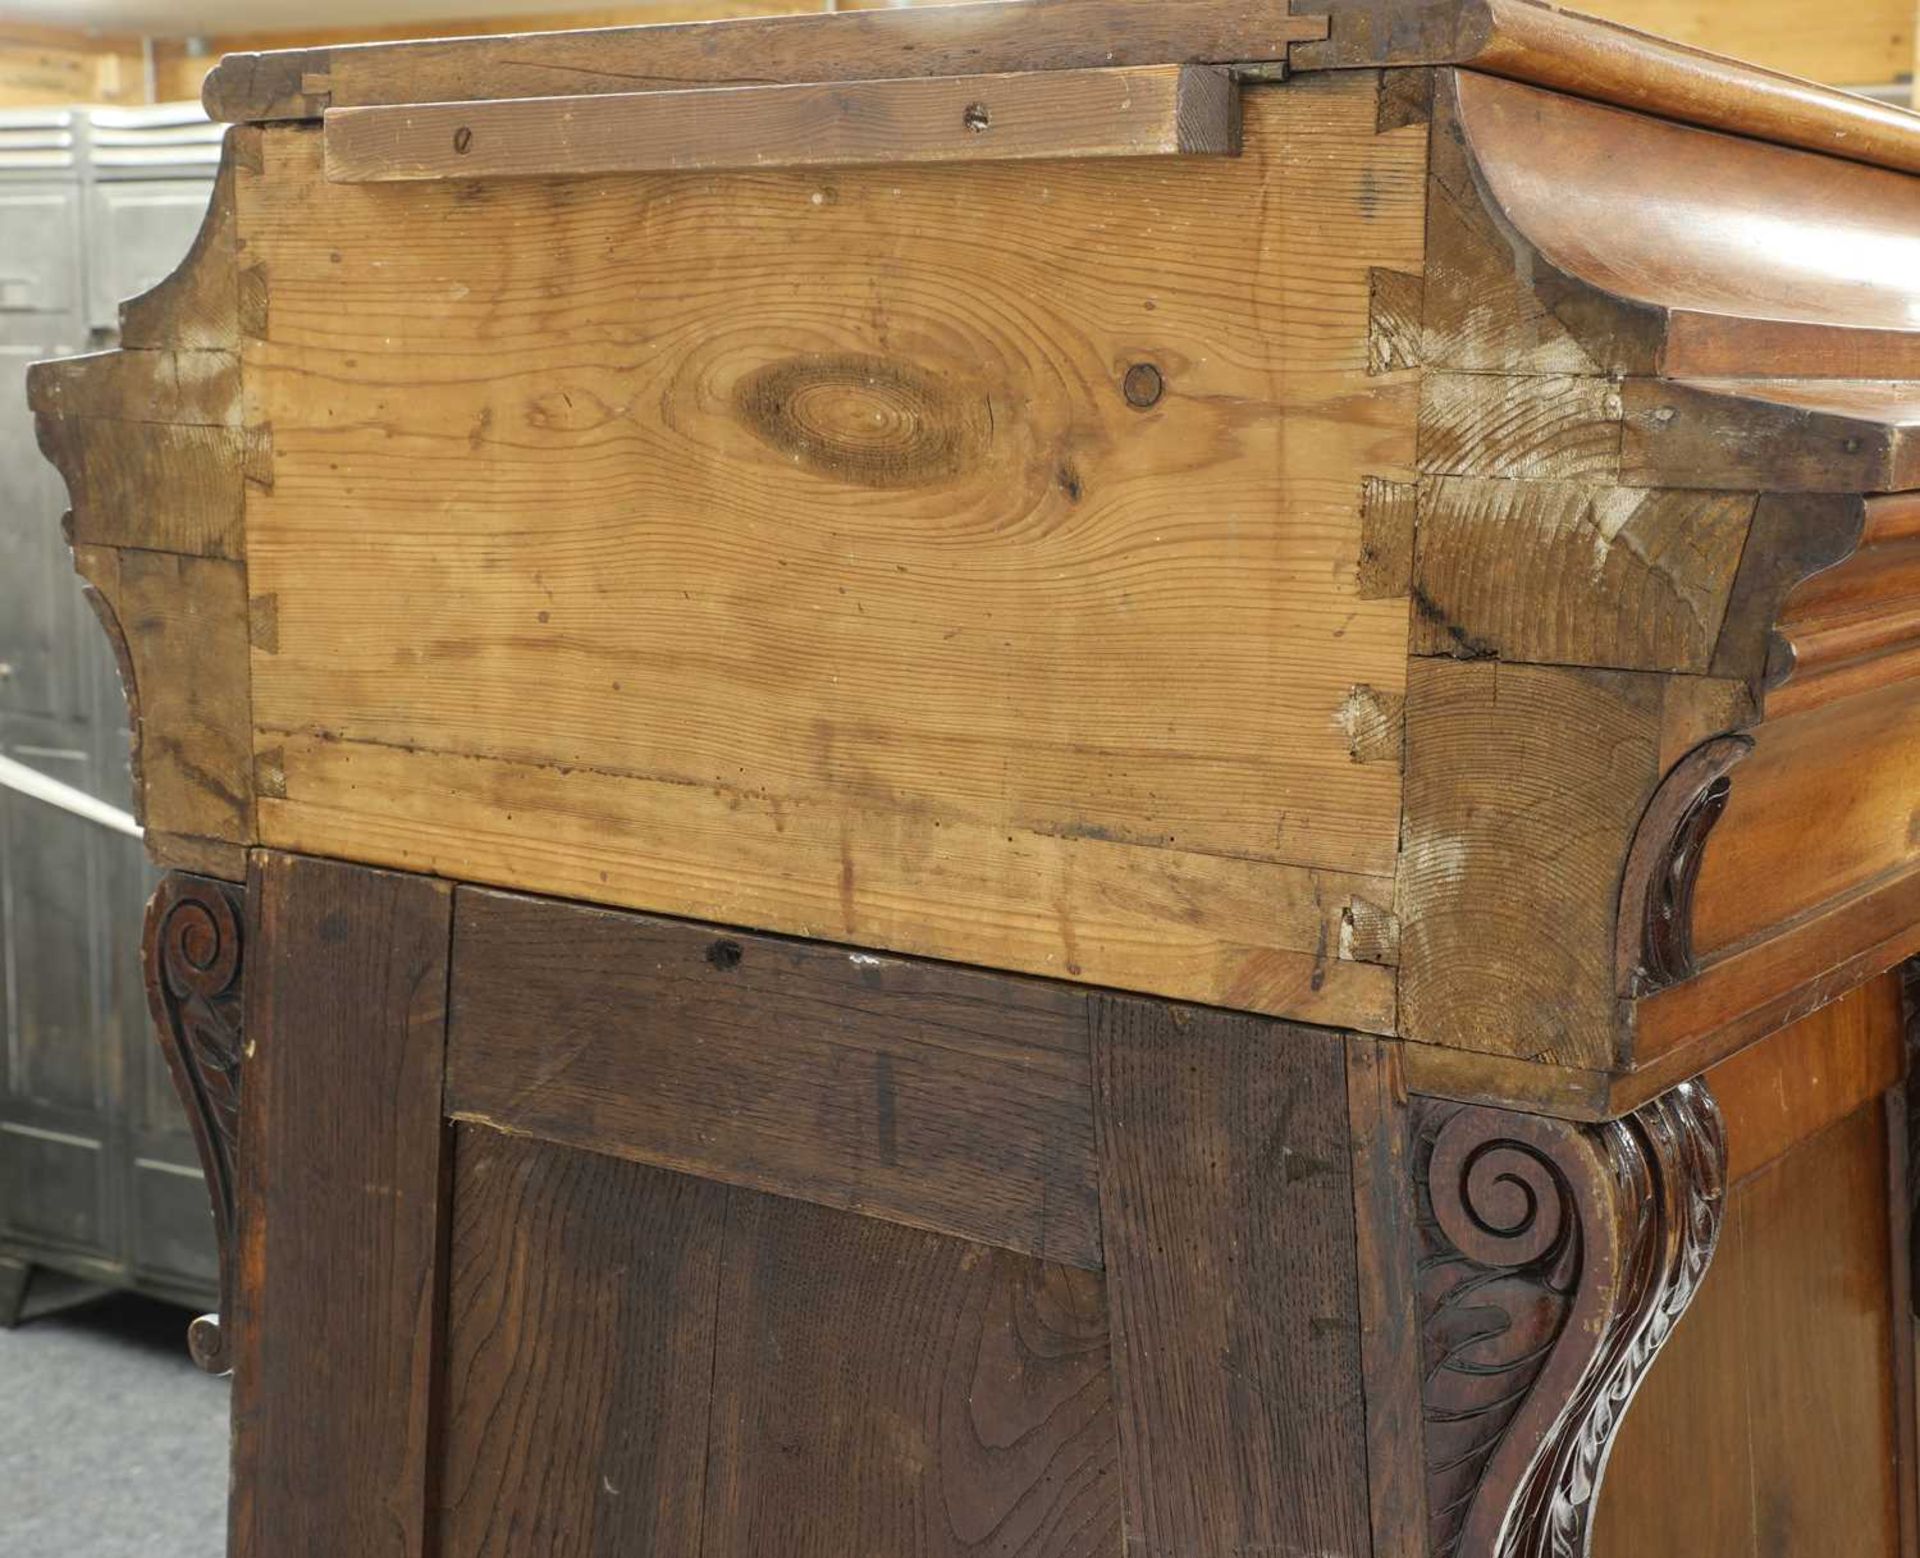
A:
(112, 1444)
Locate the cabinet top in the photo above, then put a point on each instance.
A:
(1519, 39)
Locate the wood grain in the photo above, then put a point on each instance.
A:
(1226, 1194)
(1766, 1427)
(1390, 1346)
(1557, 573)
(883, 616)
(857, 45)
(1514, 844)
(878, 1389)
(1810, 1075)
(180, 626)
(341, 1192)
(579, 1353)
(1157, 110)
(948, 1098)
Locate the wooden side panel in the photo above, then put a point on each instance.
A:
(1768, 1426)
(152, 443)
(579, 1353)
(943, 1097)
(1226, 1189)
(925, 577)
(878, 1389)
(340, 1215)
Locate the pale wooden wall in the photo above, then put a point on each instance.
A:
(1846, 43)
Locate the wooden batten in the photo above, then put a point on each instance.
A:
(1150, 111)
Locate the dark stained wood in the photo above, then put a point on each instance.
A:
(194, 959)
(1147, 111)
(934, 1095)
(1389, 1323)
(882, 1390)
(1553, 1261)
(1226, 1192)
(851, 46)
(1767, 1429)
(1653, 938)
(340, 1211)
(579, 1353)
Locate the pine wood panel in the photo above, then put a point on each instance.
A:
(1227, 1205)
(878, 1389)
(580, 1319)
(341, 1185)
(949, 1098)
(818, 529)
(1767, 1427)
(1867, 43)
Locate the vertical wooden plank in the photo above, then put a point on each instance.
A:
(580, 1310)
(342, 1190)
(1389, 1327)
(1227, 1213)
(880, 1390)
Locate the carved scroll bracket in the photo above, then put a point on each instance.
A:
(194, 968)
(1554, 1262)
(1654, 938)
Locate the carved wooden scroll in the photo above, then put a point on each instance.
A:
(1554, 1261)
(1655, 932)
(193, 953)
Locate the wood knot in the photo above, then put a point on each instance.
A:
(1143, 385)
(864, 419)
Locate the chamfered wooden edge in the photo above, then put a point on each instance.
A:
(1520, 39)
(193, 952)
(1138, 111)
(152, 442)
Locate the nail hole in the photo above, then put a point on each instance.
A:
(725, 955)
(976, 118)
(1143, 385)
(462, 139)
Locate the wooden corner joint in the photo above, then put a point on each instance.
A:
(192, 952)
(1554, 1260)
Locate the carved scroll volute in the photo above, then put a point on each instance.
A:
(193, 953)
(1554, 1261)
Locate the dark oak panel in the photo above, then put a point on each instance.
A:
(932, 1095)
(881, 1390)
(341, 1190)
(1226, 1192)
(580, 1319)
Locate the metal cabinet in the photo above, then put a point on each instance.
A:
(98, 1174)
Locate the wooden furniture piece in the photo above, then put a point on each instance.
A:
(98, 1174)
(1039, 779)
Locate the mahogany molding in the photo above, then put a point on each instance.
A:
(1553, 1262)
(193, 954)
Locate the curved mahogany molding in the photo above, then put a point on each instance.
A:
(1554, 1261)
(1654, 945)
(193, 965)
